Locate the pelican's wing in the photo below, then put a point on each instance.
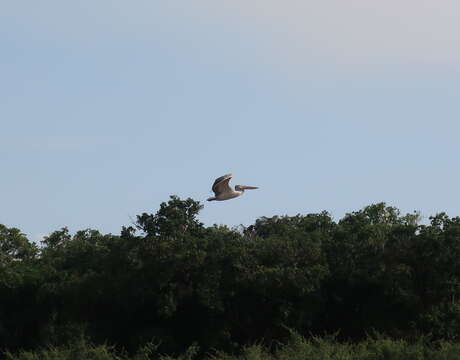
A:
(221, 184)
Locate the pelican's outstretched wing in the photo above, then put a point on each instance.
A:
(221, 184)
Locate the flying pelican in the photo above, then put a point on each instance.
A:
(223, 191)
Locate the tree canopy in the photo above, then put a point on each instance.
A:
(168, 278)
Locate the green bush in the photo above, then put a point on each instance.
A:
(74, 352)
(297, 348)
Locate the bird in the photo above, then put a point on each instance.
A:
(223, 191)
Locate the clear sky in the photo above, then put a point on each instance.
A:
(108, 107)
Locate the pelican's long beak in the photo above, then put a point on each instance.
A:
(248, 187)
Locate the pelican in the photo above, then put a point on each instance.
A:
(223, 191)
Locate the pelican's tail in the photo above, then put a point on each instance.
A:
(212, 198)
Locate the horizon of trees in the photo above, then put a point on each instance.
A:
(170, 280)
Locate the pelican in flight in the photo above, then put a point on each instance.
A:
(223, 191)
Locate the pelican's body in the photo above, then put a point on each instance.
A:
(223, 191)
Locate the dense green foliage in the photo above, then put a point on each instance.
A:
(169, 280)
(297, 348)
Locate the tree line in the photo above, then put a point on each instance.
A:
(168, 279)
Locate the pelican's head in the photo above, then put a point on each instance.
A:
(244, 187)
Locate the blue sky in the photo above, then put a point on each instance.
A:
(109, 107)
